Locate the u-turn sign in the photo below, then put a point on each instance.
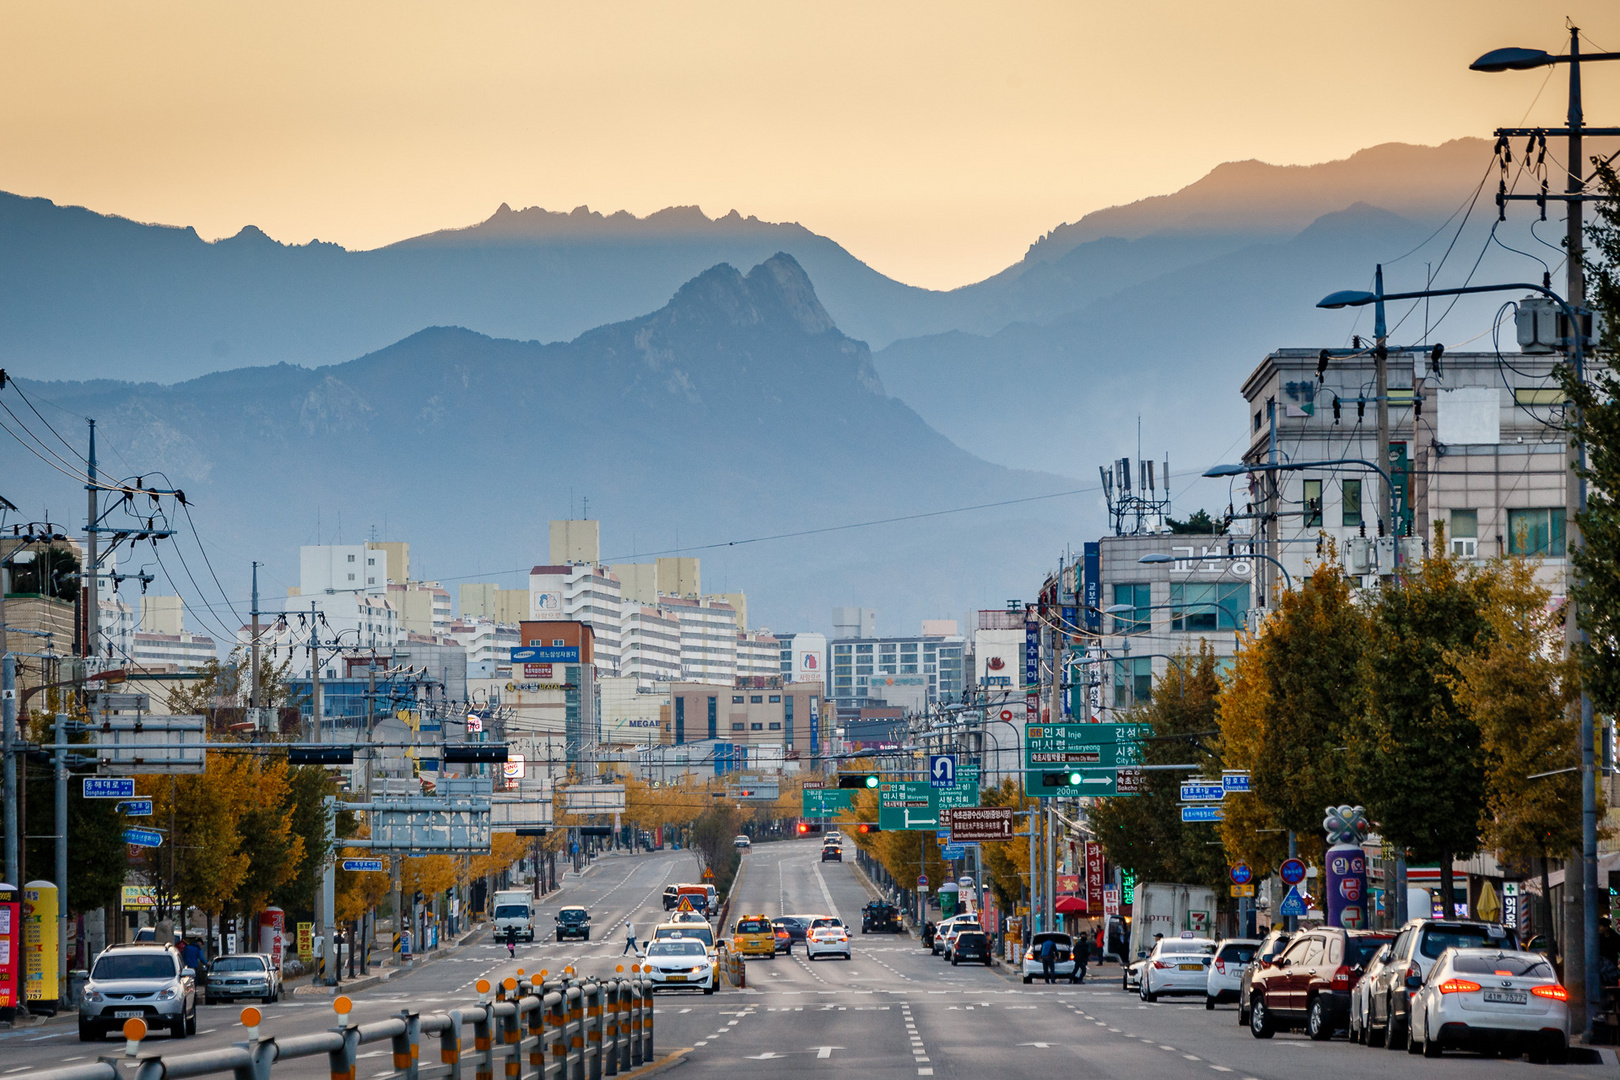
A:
(942, 770)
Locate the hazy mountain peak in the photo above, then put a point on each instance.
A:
(537, 225)
(777, 294)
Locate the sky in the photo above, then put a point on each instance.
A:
(934, 140)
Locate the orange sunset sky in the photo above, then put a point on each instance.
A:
(934, 140)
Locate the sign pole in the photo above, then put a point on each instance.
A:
(61, 842)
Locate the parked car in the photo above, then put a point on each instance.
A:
(243, 975)
(1176, 966)
(1309, 985)
(1064, 967)
(140, 980)
(1360, 1030)
(1493, 1000)
(1226, 973)
(971, 946)
(1417, 947)
(1271, 947)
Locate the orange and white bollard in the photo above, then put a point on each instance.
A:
(134, 1032)
(251, 1018)
(482, 986)
(342, 1006)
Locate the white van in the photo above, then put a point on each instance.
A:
(513, 912)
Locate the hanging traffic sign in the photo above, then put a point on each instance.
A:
(1100, 754)
(1292, 904)
(1193, 814)
(1202, 791)
(907, 804)
(953, 852)
(143, 838)
(135, 807)
(942, 770)
(363, 865)
(1235, 781)
(1241, 874)
(109, 787)
(1292, 871)
(825, 802)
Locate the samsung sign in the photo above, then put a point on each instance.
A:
(543, 654)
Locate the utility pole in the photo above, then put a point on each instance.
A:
(253, 691)
(92, 566)
(314, 674)
(1386, 502)
(61, 852)
(8, 688)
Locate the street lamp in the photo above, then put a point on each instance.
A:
(1573, 635)
(1160, 558)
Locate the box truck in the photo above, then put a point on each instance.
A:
(514, 911)
(1170, 910)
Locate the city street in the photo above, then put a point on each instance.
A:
(892, 1011)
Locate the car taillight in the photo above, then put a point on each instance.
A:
(1160, 964)
(1220, 966)
(1341, 977)
(1551, 990)
(1030, 955)
(1458, 986)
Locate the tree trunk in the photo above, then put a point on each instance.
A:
(1447, 886)
(1546, 919)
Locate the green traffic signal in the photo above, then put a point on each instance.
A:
(872, 781)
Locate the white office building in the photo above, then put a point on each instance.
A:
(904, 672)
(488, 644)
(354, 621)
(803, 656)
(650, 644)
(582, 592)
(708, 638)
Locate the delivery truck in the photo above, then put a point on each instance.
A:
(1171, 911)
(514, 911)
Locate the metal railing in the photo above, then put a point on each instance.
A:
(544, 1029)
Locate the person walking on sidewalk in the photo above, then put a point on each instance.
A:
(630, 939)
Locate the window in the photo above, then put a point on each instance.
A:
(1133, 681)
(558, 643)
(1139, 595)
(1536, 532)
(1350, 502)
(371, 562)
(351, 558)
(736, 699)
(756, 727)
(1313, 504)
(863, 649)
(371, 581)
(908, 669)
(1222, 605)
(1464, 533)
(775, 726)
(714, 716)
(1257, 421)
(351, 577)
(776, 699)
(863, 669)
(680, 719)
(756, 699)
(738, 727)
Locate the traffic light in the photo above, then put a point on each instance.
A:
(481, 753)
(1060, 779)
(868, 827)
(858, 780)
(596, 830)
(808, 827)
(320, 755)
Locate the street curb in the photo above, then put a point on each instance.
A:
(668, 1061)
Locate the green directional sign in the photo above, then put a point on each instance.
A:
(1100, 754)
(966, 791)
(827, 802)
(907, 804)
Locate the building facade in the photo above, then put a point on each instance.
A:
(803, 656)
(708, 638)
(650, 644)
(582, 592)
(762, 710)
(914, 671)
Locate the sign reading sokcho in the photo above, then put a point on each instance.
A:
(978, 824)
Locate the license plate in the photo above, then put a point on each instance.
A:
(675, 978)
(128, 1014)
(1191, 967)
(1507, 997)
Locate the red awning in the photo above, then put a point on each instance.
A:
(1070, 905)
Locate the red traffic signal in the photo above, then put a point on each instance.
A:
(806, 827)
(867, 827)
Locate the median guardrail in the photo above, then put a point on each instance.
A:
(568, 1028)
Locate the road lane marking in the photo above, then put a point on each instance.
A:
(1220, 1068)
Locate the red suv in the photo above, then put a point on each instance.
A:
(1309, 984)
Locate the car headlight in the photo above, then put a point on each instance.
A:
(169, 995)
(93, 995)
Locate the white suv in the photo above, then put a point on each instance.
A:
(139, 981)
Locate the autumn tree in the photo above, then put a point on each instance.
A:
(1415, 751)
(1144, 832)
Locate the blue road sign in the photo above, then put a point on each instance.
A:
(136, 807)
(1235, 781)
(372, 865)
(942, 770)
(1292, 871)
(943, 836)
(922, 881)
(1202, 813)
(952, 852)
(143, 838)
(1292, 904)
(109, 787)
(1198, 791)
(1241, 874)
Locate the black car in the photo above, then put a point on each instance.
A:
(573, 922)
(797, 926)
(672, 896)
(832, 853)
(879, 917)
(971, 945)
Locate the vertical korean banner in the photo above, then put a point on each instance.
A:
(11, 955)
(1094, 877)
(1091, 585)
(1032, 671)
(41, 975)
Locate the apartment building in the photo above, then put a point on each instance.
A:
(911, 672)
(803, 656)
(758, 653)
(708, 638)
(650, 644)
(583, 592)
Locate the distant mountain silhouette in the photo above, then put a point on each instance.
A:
(84, 295)
(737, 410)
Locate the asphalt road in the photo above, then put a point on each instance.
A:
(893, 1011)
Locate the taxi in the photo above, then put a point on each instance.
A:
(754, 936)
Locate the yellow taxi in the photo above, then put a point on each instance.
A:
(754, 936)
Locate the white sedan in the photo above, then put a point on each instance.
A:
(1496, 1000)
(1177, 966)
(680, 963)
(827, 941)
